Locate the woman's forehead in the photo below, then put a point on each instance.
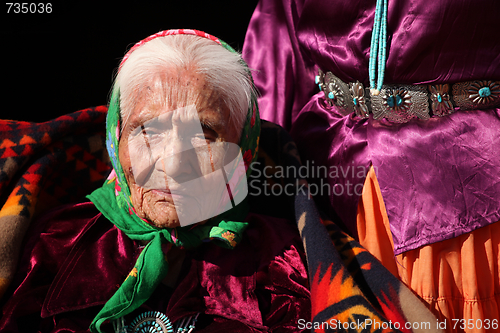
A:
(170, 93)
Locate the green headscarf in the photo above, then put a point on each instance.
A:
(113, 200)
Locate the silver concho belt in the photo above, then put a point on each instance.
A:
(400, 102)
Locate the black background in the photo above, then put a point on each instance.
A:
(65, 61)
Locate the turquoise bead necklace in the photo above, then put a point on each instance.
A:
(378, 48)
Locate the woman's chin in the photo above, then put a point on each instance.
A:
(162, 214)
(159, 209)
(165, 216)
(165, 223)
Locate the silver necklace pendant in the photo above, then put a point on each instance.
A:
(151, 322)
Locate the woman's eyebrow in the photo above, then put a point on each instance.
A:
(215, 125)
(209, 123)
(208, 119)
(149, 119)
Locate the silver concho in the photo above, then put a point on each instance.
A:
(337, 94)
(400, 103)
(151, 322)
(359, 100)
(441, 100)
(476, 94)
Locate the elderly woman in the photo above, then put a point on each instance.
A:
(168, 240)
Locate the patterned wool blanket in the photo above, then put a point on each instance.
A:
(351, 291)
(43, 165)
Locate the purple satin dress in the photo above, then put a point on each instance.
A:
(75, 259)
(440, 177)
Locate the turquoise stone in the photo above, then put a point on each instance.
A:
(316, 79)
(331, 95)
(439, 98)
(484, 92)
(390, 101)
(355, 100)
(399, 100)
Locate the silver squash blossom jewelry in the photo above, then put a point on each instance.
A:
(187, 324)
(151, 322)
(155, 322)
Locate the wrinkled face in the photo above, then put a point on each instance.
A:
(163, 128)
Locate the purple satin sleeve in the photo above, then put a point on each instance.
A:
(282, 76)
(439, 178)
(75, 260)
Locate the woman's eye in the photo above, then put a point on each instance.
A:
(209, 134)
(153, 134)
(150, 132)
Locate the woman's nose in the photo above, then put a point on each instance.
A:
(177, 160)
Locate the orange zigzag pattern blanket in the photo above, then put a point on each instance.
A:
(43, 165)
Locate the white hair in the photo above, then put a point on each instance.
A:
(224, 71)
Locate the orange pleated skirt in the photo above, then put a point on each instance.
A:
(458, 278)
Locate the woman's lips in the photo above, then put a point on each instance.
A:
(167, 194)
(167, 191)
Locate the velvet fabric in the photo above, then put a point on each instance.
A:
(67, 274)
(439, 178)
